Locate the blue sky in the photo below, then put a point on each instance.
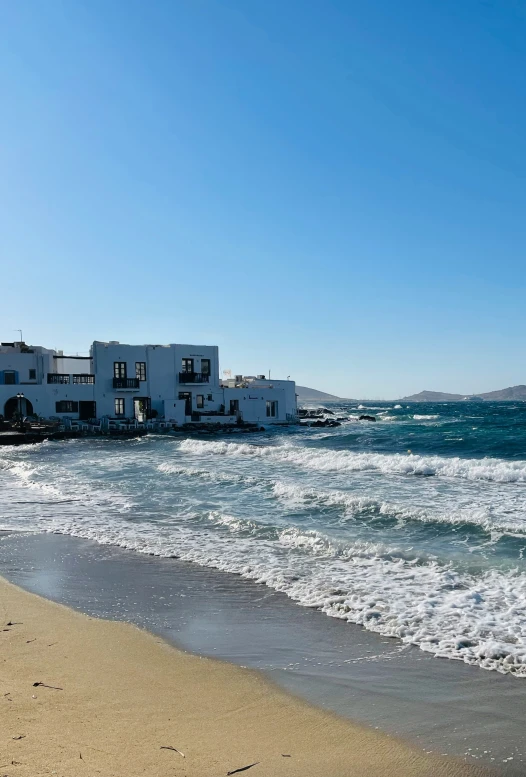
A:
(333, 190)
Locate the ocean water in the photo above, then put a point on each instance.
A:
(413, 526)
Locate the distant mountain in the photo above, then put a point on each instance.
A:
(307, 394)
(433, 396)
(514, 393)
(506, 395)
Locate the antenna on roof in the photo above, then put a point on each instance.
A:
(19, 330)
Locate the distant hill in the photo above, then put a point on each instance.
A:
(433, 396)
(514, 393)
(307, 394)
(507, 394)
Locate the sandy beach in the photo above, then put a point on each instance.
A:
(113, 700)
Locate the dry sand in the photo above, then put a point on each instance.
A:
(125, 695)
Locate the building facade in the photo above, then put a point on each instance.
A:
(178, 383)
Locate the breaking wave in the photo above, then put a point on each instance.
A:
(488, 469)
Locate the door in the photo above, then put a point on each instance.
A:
(87, 411)
(234, 406)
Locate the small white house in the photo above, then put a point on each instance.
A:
(179, 383)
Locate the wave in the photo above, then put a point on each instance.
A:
(218, 477)
(479, 620)
(475, 616)
(494, 470)
(356, 506)
(350, 506)
(425, 417)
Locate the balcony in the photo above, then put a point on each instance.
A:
(193, 377)
(84, 378)
(125, 383)
(57, 377)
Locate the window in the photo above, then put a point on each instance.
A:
(187, 365)
(272, 409)
(205, 366)
(200, 401)
(210, 398)
(32, 374)
(119, 406)
(140, 370)
(119, 370)
(9, 377)
(65, 406)
(234, 406)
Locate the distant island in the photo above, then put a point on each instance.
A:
(306, 394)
(511, 394)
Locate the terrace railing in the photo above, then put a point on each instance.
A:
(57, 377)
(125, 383)
(194, 377)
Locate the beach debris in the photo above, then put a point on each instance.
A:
(169, 747)
(286, 755)
(43, 685)
(20, 736)
(243, 768)
(30, 640)
(14, 623)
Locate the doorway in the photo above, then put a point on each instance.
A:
(15, 405)
(87, 411)
(187, 396)
(142, 409)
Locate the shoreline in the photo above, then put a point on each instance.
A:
(125, 695)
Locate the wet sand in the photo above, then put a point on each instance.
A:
(440, 705)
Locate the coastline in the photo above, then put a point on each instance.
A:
(125, 695)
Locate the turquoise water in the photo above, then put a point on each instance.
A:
(413, 526)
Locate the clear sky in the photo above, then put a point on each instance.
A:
(331, 189)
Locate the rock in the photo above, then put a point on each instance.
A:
(366, 418)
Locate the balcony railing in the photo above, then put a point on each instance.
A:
(193, 377)
(57, 377)
(125, 383)
(84, 378)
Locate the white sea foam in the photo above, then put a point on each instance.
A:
(479, 620)
(387, 586)
(425, 417)
(487, 469)
(207, 474)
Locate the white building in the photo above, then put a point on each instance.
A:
(179, 383)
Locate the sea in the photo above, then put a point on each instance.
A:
(412, 526)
